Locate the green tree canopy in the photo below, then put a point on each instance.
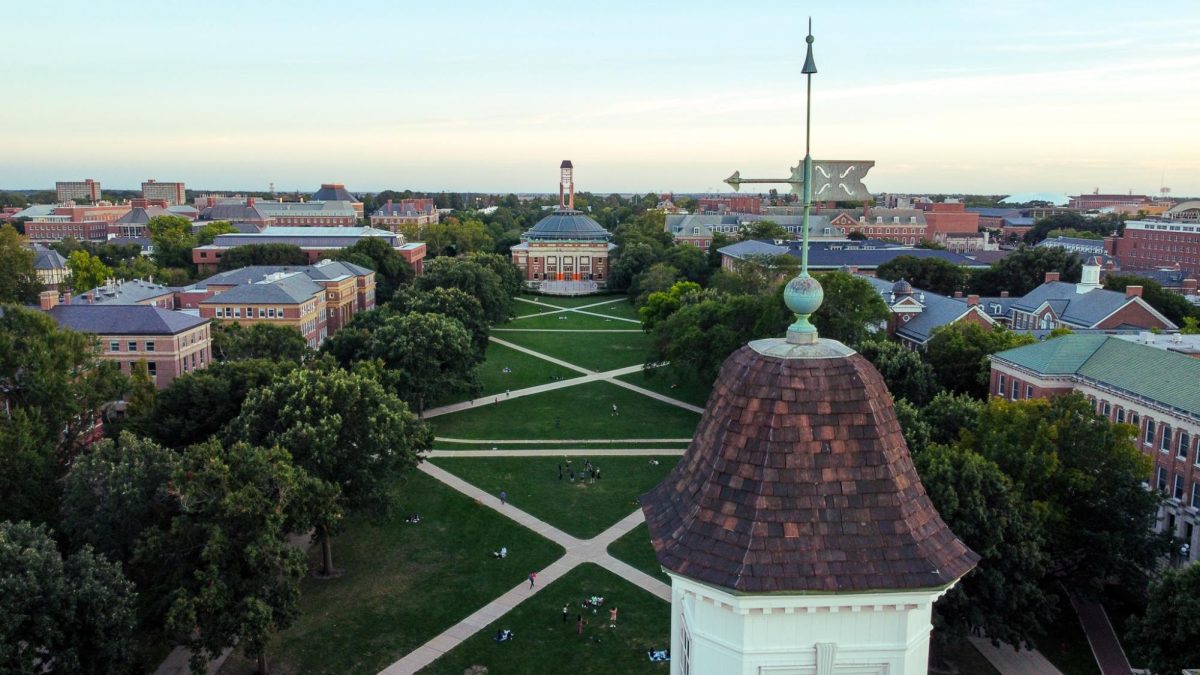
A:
(472, 278)
(1024, 270)
(87, 271)
(452, 303)
(906, 374)
(635, 258)
(659, 277)
(930, 274)
(261, 254)
(426, 357)
(958, 353)
(209, 232)
(342, 427)
(699, 336)
(18, 280)
(392, 271)
(763, 229)
(691, 262)
(852, 311)
(506, 271)
(61, 616)
(662, 304)
(1166, 638)
(232, 341)
(173, 240)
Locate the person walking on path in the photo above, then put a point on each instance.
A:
(532, 576)
(579, 625)
(503, 497)
(560, 470)
(565, 613)
(614, 412)
(612, 618)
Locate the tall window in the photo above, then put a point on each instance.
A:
(149, 345)
(1016, 387)
(1029, 391)
(1178, 494)
(1120, 415)
(1162, 479)
(132, 346)
(1149, 433)
(152, 368)
(1106, 410)
(1000, 387)
(1165, 436)
(1185, 444)
(1196, 495)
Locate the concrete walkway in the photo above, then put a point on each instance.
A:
(1106, 648)
(565, 330)
(562, 452)
(1009, 661)
(578, 551)
(579, 310)
(509, 441)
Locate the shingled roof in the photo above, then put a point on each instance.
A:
(798, 480)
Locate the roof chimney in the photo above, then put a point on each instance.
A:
(47, 300)
(250, 200)
(972, 300)
(1189, 286)
(1133, 291)
(1004, 294)
(1051, 276)
(958, 294)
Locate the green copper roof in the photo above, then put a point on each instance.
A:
(1167, 377)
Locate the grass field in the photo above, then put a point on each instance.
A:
(621, 309)
(583, 508)
(686, 390)
(543, 643)
(527, 371)
(563, 444)
(635, 548)
(571, 320)
(564, 301)
(594, 351)
(581, 412)
(404, 583)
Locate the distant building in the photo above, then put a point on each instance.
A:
(1096, 201)
(946, 219)
(750, 204)
(993, 218)
(283, 298)
(133, 223)
(85, 223)
(861, 256)
(336, 192)
(310, 214)
(1155, 390)
(1086, 305)
(916, 314)
(131, 292)
(1015, 227)
(170, 343)
(1083, 247)
(348, 289)
(314, 241)
(171, 193)
(235, 210)
(80, 191)
(566, 252)
(50, 267)
(1152, 244)
(416, 212)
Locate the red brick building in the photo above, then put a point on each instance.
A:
(1096, 201)
(406, 212)
(730, 204)
(1148, 244)
(172, 193)
(88, 223)
(316, 242)
(944, 219)
(1084, 306)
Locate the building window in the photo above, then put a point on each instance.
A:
(149, 345)
(1165, 433)
(1106, 410)
(1149, 433)
(1029, 391)
(262, 313)
(114, 346)
(271, 313)
(1178, 494)
(1135, 419)
(1016, 387)
(152, 368)
(1120, 415)
(1196, 495)
(1000, 386)
(132, 346)
(1185, 442)
(1162, 479)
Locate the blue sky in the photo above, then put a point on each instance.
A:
(668, 95)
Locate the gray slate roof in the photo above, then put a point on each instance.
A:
(123, 319)
(938, 311)
(325, 208)
(289, 289)
(325, 270)
(331, 194)
(833, 255)
(235, 211)
(48, 259)
(140, 215)
(132, 292)
(1078, 309)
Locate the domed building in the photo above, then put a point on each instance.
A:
(565, 253)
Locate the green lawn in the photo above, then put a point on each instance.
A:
(621, 309)
(581, 412)
(404, 583)
(594, 351)
(571, 320)
(583, 508)
(526, 370)
(635, 548)
(660, 380)
(542, 643)
(562, 444)
(564, 301)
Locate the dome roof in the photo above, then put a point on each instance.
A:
(902, 287)
(567, 224)
(798, 480)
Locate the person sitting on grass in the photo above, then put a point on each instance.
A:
(503, 635)
(501, 554)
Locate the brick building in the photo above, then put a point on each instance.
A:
(916, 314)
(1085, 306)
(170, 343)
(171, 193)
(316, 242)
(310, 214)
(337, 192)
(87, 190)
(86, 223)
(131, 292)
(133, 223)
(993, 218)
(1096, 201)
(290, 299)
(947, 219)
(730, 204)
(406, 212)
(1151, 244)
(348, 289)
(1155, 390)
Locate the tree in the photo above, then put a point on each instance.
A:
(392, 271)
(18, 280)
(1002, 597)
(235, 577)
(55, 386)
(630, 262)
(699, 336)
(852, 311)
(87, 271)
(958, 353)
(235, 342)
(451, 303)
(261, 254)
(452, 237)
(1171, 305)
(1190, 326)
(930, 274)
(916, 431)
(426, 357)
(199, 404)
(1166, 638)
(662, 304)
(691, 262)
(1100, 226)
(1088, 475)
(209, 232)
(473, 279)
(173, 240)
(1025, 269)
(506, 271)
(906, 374)
(756, 274)
(856, 235)
(949, 414)
(659, 277)
(141, 391)
(345, 429)
(60, 616)
(763, 229)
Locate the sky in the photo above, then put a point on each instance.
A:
(671, 95)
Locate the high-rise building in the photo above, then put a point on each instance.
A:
(172, 193)
(87, 190)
